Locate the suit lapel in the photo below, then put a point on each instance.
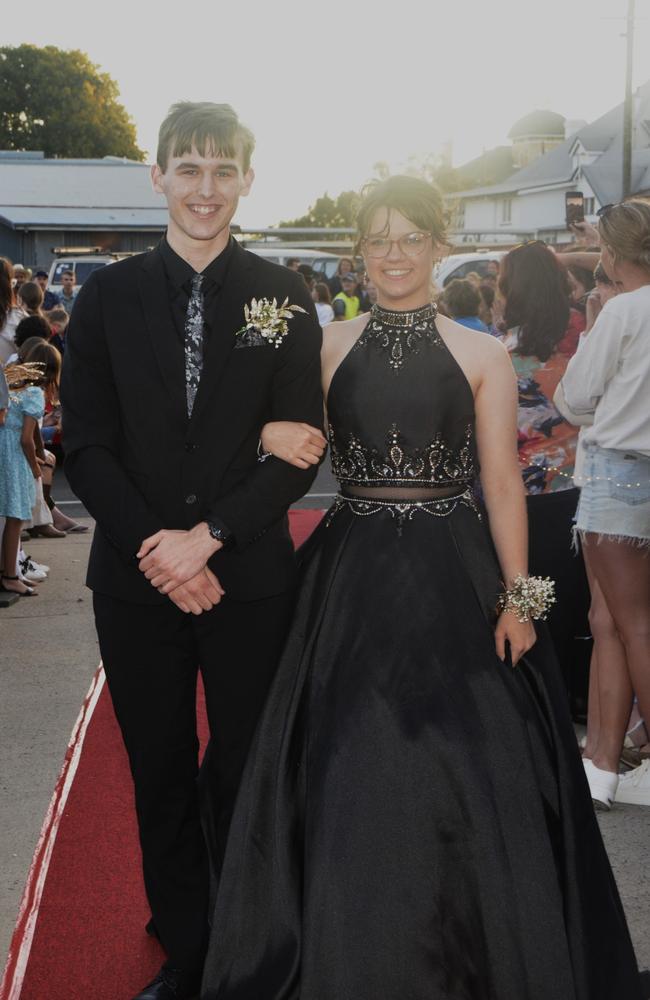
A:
(162, 333)
(227, 319)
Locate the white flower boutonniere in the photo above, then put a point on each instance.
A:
(267, 320)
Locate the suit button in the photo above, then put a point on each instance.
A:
(190, 447)
(191, 498)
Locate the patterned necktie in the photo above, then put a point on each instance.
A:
(193, 342)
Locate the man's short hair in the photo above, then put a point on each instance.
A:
(209, 128)
(64, 273)
(292, 260)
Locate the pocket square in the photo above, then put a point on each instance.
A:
(251, 338)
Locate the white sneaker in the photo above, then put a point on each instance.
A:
(32, 576)
(27, 565)
(634, 787)
(39, 566)
(602, 784)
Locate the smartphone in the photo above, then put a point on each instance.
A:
(574, 205)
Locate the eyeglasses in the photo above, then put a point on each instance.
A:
(411, 245)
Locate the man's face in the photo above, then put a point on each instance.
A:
(42, 280)
(67, 280)
(348, 286)
(202, 193)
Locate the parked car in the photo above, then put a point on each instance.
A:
(459, 265)
(320, 261)
(81, 266)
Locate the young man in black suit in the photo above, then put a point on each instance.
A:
(192, 565)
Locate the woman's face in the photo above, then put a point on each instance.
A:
(578, 290)
(402, 277)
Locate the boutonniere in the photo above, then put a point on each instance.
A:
(268, 320)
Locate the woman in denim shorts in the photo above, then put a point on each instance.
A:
(607, 385)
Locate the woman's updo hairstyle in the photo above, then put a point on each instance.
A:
(625, 229)
(414, 198)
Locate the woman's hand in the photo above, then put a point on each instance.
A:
(298, 444)
(520, 635)
(589, 234)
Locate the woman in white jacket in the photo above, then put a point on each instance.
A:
(608, 380)
(10, 314)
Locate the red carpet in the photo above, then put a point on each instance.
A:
(80, 933)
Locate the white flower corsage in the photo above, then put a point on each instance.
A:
(267, 320)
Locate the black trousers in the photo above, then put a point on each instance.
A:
(151, 656)
(550, 520)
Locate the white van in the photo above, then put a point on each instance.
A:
(458, 265)
(321, 262)
(81, 267)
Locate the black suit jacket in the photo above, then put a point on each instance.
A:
(139, 464)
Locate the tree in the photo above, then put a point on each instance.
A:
(326, 212)
(61, 103)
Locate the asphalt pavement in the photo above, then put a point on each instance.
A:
(48, 654)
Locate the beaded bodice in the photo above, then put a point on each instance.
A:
(400, 410)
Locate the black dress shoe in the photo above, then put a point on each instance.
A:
(644, 975)
(171, 984)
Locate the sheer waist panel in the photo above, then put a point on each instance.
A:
(407, 494)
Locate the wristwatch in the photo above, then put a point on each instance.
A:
(220, 533)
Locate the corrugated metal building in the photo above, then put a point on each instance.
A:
(105, 203)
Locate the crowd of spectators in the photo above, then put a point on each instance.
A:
(32, 344)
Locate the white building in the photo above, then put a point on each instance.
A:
(45, 203)
(530, 203)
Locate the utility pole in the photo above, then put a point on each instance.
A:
(627, 107)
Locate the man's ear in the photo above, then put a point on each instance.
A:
(249, 177)
(156, 179)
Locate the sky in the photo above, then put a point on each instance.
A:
(333, 87)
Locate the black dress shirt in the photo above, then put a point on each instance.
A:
(179, 281)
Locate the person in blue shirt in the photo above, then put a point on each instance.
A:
(50, 299)
(462, 302)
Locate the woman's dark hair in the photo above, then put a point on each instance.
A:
(417, 200)
(323, 292)
(488, 294)
(26, 346)
(31, 295)
(7, 299)
(536, 289)
(462, 298)
(32, 326)
(47, 355)
(601, 276)
(583, 275)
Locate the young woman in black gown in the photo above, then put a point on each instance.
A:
(414, 822)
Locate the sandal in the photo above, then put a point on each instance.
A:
(25, 592)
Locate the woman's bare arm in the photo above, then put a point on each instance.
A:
(503, 491)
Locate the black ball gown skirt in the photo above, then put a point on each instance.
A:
(414, 821)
